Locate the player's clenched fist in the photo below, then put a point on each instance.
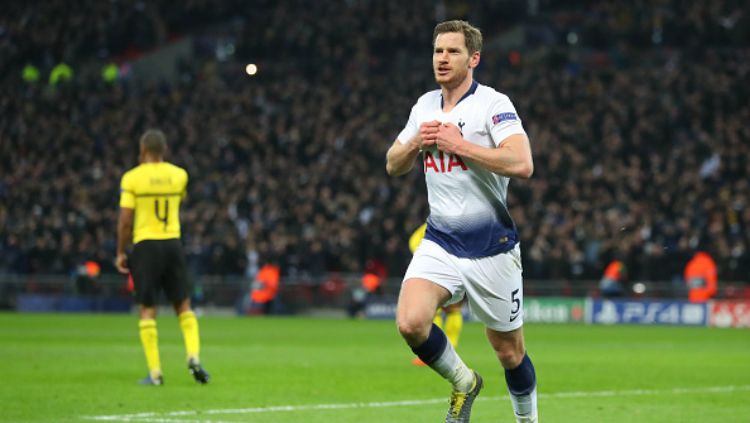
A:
(448, 138)
(428, 133)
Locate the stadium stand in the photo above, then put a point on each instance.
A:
(637, 114)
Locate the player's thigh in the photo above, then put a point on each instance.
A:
(175, 279)
(494, 289)
(431, 262)
(417, 302)
(145, 267)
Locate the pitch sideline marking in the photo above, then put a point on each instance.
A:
(174, 416)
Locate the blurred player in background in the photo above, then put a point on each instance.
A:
(150, 217)
(472, 141)
(454, 320)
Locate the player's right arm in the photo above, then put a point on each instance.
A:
(401, 155)
(124, 235)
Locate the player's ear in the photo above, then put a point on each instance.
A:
(474, 59)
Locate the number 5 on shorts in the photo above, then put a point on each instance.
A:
(516, 305)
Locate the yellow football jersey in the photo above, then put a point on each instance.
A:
(154, 191)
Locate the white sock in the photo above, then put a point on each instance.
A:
(524, 406)
(450, 366)
(527, 419)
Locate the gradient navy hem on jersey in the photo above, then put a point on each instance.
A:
(482, 241)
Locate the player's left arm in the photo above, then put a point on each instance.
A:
(512, 157)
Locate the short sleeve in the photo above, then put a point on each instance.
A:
(184, 186)
(127, 192)
(503, 120)
(411, 128)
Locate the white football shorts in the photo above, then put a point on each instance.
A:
(493, 285)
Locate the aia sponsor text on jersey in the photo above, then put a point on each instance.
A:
(443, 162)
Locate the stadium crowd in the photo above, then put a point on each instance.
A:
(636, 114)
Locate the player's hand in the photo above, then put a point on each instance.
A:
(449, 138)
(121, 263)
(428, 133)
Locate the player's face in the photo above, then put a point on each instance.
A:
(451, 61)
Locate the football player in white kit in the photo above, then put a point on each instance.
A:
(472, 141)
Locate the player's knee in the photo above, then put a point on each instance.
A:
(412, 330)
(181, 306)
(147, 312)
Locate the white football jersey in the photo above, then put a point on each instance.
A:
(468, 212)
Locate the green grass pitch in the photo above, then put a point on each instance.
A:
(84, 368)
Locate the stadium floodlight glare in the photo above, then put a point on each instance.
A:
(251, 69)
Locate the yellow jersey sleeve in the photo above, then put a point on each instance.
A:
(184, 188)
(127, 192)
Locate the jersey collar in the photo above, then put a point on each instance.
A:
(471, 91)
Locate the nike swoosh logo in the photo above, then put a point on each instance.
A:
(512, 318)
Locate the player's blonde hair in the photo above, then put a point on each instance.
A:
(154, 141)
(472, 34)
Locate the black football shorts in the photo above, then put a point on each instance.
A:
(159, 265)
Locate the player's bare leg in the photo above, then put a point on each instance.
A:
(519, 372)
(451, 325)
(418, 300)
(438, 320)
(189, 327)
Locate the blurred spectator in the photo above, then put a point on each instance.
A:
(700, 277)
(30, 73)
(370, 286)
(60, 73)
(612, 283)
(86, 277)
(264, 289)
